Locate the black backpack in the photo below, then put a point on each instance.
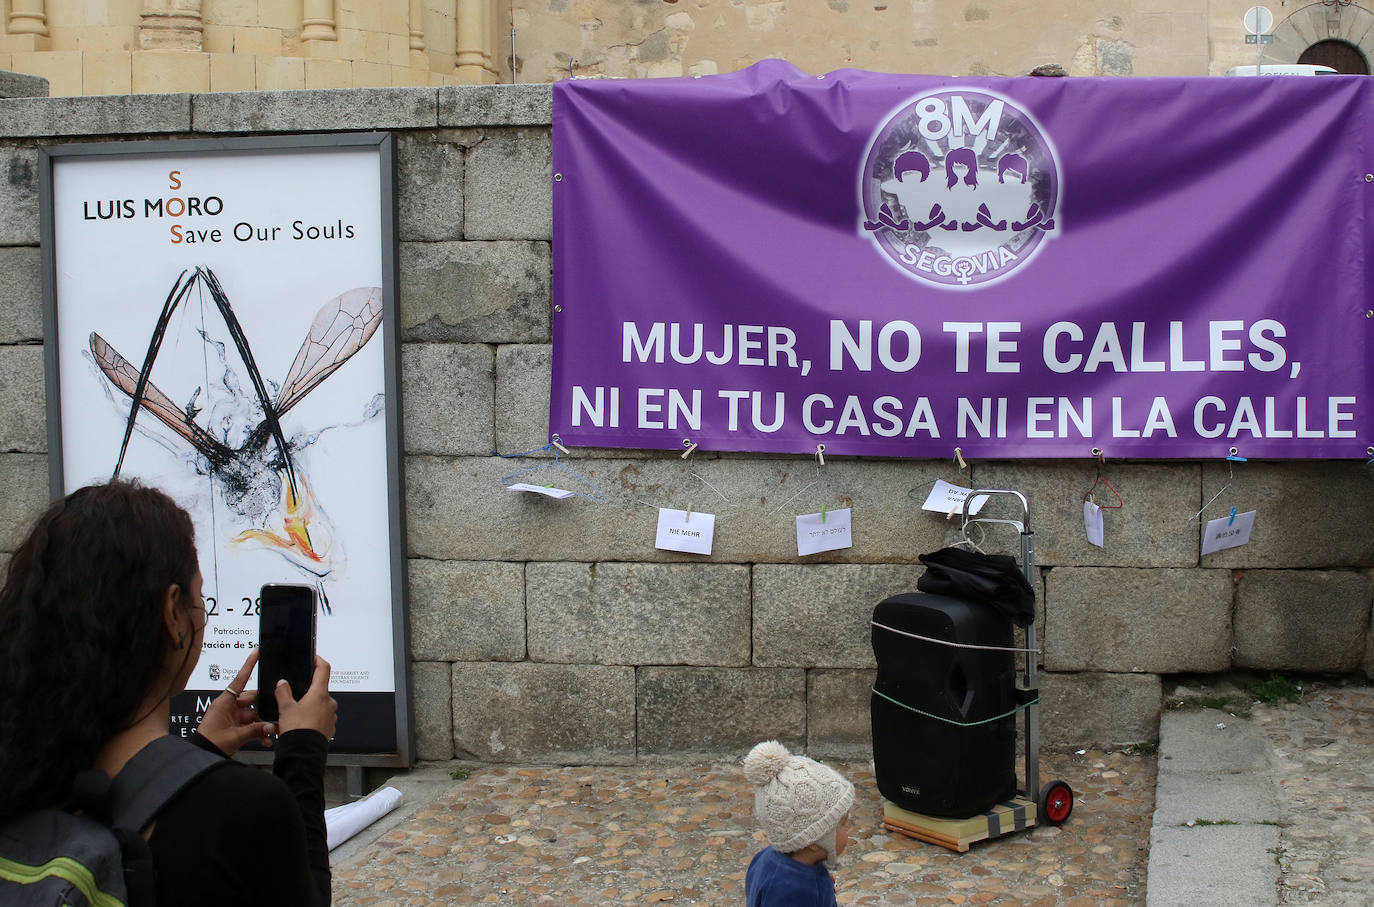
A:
(98, 858)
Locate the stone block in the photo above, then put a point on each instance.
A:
(106, 72)
(634, 614)
(1220, 865)
(719, 712)
(170, 72)
(21, 294)
(454, 503)
(372, 74)
(1369, 650)
(1302, 620)
(314, 111)
(62, 68)
(276, 74)
(1092, 709)
(25, 480)
(523, 381)
(19, 85)
(431, 696)
(257, 41)
(508, 186)
(1298, 504)
(467, 611)
(496, 105)
(560, 714)
(468, 292)
(1150, 530)
(429, 189)
(1124, 620)
(837, 715)
(230, 72)
(447, 398)
(23, 422)
(818, 615)
(18, 194)
(328, 74)
(116, 115)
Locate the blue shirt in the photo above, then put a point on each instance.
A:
(776, 880)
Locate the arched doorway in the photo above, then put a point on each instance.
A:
(1341, 56)
(1335, 33)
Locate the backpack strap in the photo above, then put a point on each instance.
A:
(155, 775)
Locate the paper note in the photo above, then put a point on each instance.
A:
(1092, 523)
(824, 532)
(679, 531)
(946, 498)
(1228, 532)
(549, 490)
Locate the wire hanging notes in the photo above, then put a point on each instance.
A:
(550, 489)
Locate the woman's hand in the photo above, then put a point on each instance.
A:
(231, 720)
(316, 710)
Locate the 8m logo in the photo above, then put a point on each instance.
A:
(959, 188)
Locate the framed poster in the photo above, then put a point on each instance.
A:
(221, 323)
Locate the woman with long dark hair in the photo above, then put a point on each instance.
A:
(101, 623)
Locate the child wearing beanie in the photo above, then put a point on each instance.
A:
(803, 808)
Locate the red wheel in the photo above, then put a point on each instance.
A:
(1056, 803)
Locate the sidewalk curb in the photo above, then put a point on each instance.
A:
(1215, 835)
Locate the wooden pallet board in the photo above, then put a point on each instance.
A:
(1012, 815)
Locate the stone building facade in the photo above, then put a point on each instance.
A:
(95, 47)
(546, 631)
(85, 47)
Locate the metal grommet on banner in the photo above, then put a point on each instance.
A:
(558, 177)
(1369, 177)
(558, 308)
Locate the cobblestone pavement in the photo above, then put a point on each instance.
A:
(684, 834)
(1324, 753)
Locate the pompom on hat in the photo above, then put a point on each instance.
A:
(797, 801)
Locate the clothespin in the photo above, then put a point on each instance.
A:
(959, 458)
(820, 457)
(556, 443)
(1232, 520)
(689, 513)
(822, 513)
(690, 445)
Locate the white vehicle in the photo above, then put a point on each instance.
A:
(1284, 69)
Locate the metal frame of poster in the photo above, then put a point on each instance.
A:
(220, 322)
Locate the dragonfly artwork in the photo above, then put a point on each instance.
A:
(253, 464)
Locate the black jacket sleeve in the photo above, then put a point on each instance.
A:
(240, 836)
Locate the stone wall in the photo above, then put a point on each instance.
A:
(550, 631)
(654, 38)
(98, 47)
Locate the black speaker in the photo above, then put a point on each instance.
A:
(944, 719)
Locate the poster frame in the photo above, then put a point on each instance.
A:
(384, 143)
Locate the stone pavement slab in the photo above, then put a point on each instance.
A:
(683, 834)
(1267, 804)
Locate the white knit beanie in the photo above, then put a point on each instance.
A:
(797, 800)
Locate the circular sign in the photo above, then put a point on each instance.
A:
(960, 188)
(1258, 20)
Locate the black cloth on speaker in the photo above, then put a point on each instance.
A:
(990, 579)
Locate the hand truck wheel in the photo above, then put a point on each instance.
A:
(1056, 803)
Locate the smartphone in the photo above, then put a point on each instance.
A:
(286, 637)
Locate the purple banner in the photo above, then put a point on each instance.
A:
(901, 265)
